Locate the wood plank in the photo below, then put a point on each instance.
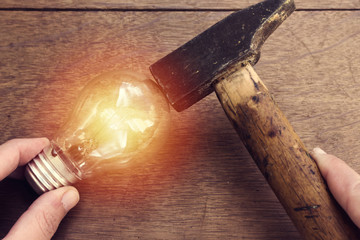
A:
(166, 4)
(202, 184)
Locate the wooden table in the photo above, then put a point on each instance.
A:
(202, 184)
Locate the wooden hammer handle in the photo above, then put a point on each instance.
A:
(281, 156)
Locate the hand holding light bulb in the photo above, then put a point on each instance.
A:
(118, 115)
(42, 218)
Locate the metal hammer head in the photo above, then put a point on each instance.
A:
(187, 74)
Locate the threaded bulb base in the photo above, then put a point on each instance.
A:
(48, 171)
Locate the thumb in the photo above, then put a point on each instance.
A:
(343, 182)
(43, 217)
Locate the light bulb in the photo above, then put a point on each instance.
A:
(118, 115)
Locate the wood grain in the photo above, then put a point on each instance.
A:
(166, 4)
(203, 184)
(281, 156)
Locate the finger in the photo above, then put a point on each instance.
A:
(42, 218)
(18, 152)
(343, 182)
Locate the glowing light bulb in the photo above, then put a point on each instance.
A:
(117, 116)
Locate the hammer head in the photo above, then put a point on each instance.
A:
(187, 74)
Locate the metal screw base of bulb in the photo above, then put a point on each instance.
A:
(48, 171)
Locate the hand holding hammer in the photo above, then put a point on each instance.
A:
(221, 59)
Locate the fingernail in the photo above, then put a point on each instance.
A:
(319, 151)
(70, 199)
(45, 140)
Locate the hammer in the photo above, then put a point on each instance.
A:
(220, 59)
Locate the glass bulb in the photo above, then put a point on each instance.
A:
(117, 116)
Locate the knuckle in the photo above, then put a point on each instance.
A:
(47, 222)
(330, 169)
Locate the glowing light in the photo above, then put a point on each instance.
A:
(117, 116)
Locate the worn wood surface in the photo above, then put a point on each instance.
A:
(171, 4)
(281, 156)
(202, 184)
